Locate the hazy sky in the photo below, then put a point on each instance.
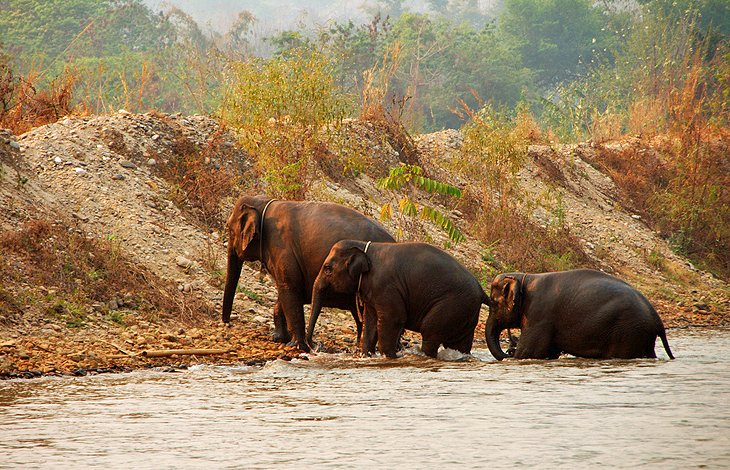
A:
(218, 15)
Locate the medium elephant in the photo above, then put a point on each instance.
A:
(414, 286)
(581, 312)
(291, 239)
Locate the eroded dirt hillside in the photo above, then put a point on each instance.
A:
(103, 178)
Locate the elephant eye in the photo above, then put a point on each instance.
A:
(327, 269)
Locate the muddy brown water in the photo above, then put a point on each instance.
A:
(337, 411)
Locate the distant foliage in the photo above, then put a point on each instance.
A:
(555, 38)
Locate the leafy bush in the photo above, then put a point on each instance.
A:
(410, 178)
(285, 109)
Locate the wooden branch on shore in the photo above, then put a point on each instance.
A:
(130, 354)
(184, 352)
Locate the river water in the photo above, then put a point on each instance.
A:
(342, 412)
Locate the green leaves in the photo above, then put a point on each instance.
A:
(411, 178)
(402, 175)
(444, 222)
(287, 112)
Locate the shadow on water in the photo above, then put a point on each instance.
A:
(340, 410)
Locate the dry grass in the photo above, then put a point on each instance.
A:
(75, 271)
(202, 182)
(523, 245)
(25, 102)
(381, 107)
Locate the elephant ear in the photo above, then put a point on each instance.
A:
(357, 262)
(510, 292)
(243, 225)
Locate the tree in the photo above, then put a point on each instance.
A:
(554, 37)
(47, 28)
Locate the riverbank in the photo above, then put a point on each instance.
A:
(112, 241)
(101, 347)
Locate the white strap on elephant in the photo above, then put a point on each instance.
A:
(261, 238)
(358, 299)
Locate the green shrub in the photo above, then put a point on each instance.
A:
(285, 109)
(408, 179)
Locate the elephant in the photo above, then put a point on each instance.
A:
(408, 285)
(582, 312)
(291, 239)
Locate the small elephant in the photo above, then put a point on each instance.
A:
(291, 239)
(581, 312)
(414, 286)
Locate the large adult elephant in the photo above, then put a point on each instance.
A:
(581, 312)
(292, 239)
(413, 286)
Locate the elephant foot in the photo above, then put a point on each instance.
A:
(302, 345)
(280, 337)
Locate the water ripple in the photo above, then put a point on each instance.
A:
(336, 411)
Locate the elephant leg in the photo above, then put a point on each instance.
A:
(370, 332)
(430, 345)
(281, 334)
(358, 323)
(463, 343)
(535, 343)
(389, 332)
(293, 307)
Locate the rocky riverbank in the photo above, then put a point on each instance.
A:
(105, 261)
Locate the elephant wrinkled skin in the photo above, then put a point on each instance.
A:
(582, 312)
(297, 236)
(412, 286)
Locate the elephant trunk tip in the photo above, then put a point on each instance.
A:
(492, 333)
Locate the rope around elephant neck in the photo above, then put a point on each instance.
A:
(358, 298)
(261, 238)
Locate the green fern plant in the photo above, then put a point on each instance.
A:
(409, 178)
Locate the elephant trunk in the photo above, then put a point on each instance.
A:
(318, 293)
(232, 275)
(492, 332)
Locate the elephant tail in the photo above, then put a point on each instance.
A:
(485, 298)
(663, 335)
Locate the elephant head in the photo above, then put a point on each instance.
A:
(340, 273)
(244, 224)
(504, 310)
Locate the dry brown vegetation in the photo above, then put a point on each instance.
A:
(680, 183)
(201, 184)
(75, 271)
(26, 103)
